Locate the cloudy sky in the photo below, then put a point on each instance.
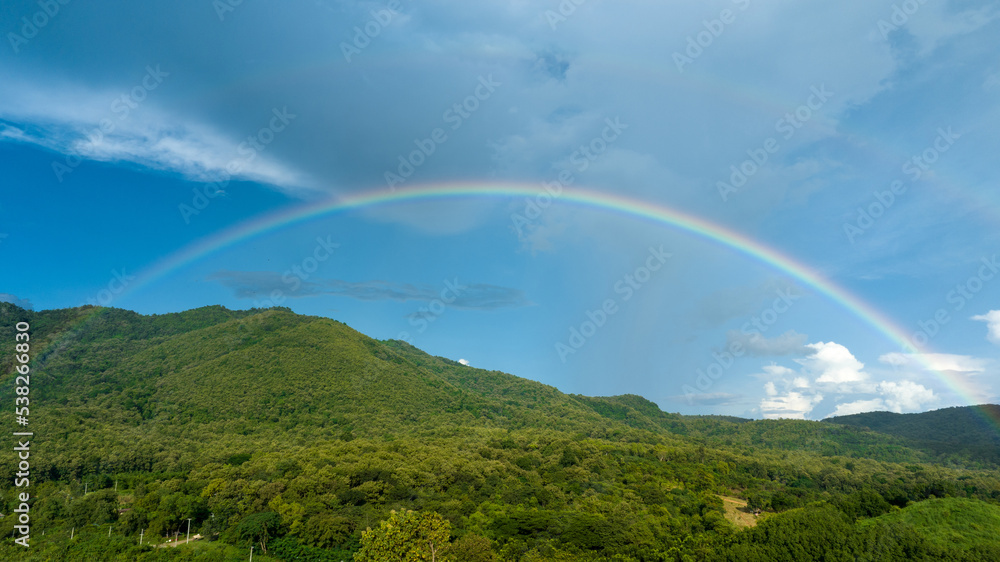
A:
(858, 138)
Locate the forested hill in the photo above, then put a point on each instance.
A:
(268, 371)
(965, 431)
(298, 433)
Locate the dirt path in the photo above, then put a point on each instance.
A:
(179, 541)
(737, 513)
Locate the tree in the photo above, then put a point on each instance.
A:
(407, 536)
(472, 548)
(259, 527)
(756, 501)
(327, 530)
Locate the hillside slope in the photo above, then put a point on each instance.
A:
(962, 432)
(949, 524)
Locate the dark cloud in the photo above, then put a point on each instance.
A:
(15, 300)
(734, 303)
(453, 293)
(756, 345)
(262, 284)
(709, 399)
(552, 65)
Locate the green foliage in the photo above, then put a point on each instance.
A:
(939, 529)
(97, 509)
(287, 548)
(470, 548)
(864, 503)
(947, 523)
(955, 433)
(407, 536)
(258, 529)
(327, 530)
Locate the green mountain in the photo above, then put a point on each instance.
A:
(968, 431)
(296, 434)
(949, 524)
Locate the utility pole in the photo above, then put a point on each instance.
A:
(176, 533)
(116, 485)
(109, 531)
(71, 533)
(251, 554)
(141, 531)
(189, 530)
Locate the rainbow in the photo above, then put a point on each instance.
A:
(634, 208)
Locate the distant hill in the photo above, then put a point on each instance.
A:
(962, 431)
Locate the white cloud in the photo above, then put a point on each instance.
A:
(778, 370)
(905, 395)
(464, 362)
(834, 369)
(935, 362)
(790, 401)
(833, 364)
(93, 125)
(792, 405)
(943, 372)
(858, 407)
(899, 397)
(992, 319)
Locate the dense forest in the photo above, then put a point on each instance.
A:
(948, 432)
(306, 440)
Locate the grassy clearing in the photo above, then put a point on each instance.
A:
(737, 512)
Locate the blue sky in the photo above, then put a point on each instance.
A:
(117, 118)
